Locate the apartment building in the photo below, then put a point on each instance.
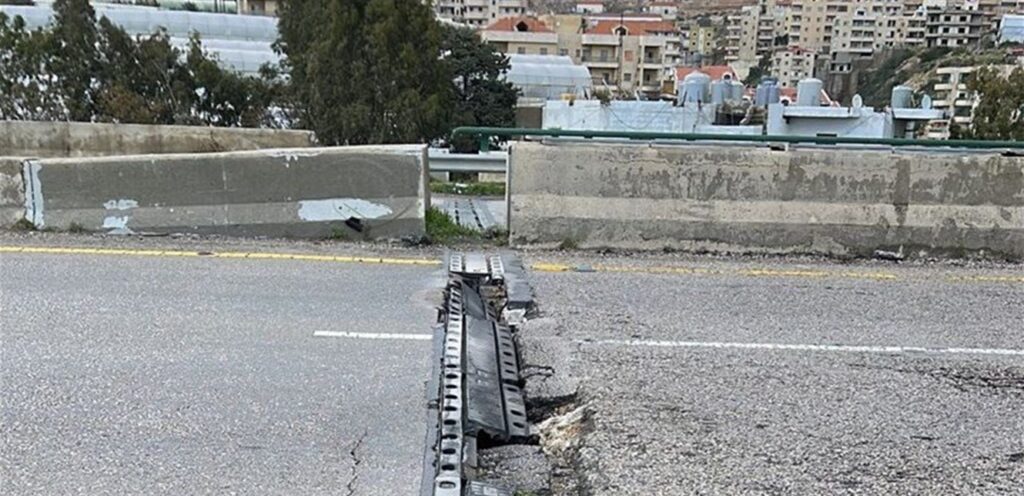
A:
(667, 10)
(792, 64)
(478, 13)
(956, 26)
(626, 54)
(522, 36)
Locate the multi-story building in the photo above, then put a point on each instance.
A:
(478, 13)
(956, 26)
(522, 36)
(628, 54)
(791, 65)
(668, 10)
(734, 35)
(952, 96)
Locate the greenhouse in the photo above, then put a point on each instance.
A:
(548, 77)
(242, 43)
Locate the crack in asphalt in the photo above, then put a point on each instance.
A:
(354, 456)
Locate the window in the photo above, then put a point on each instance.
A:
(521, 50)
(543, 51)
(627, 77)
(563, 51)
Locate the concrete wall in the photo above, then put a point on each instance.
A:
(82, 139)
(752, 199)
(12, 191)
(353, 192)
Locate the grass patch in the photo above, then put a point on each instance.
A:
(442, 229)
(468, 189)
(568, 244)
(23, 225)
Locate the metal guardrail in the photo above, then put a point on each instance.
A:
(441, 160)
(483, 136)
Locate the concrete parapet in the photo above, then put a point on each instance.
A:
(12, 191)
(364, 192)
(751, 199)
(83, 139)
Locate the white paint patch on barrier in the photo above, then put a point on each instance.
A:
(806, 347)
(341, 209)
(372, 335)
(33, 193)
(121, 204)
(115, 222)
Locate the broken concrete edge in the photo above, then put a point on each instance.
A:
(476, 393)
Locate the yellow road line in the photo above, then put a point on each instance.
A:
(748, 272)
(538, 266)
(224, 254)
(987, 278)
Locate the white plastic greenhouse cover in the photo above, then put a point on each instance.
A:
(239, 42)
(547, 76)
(145, 20)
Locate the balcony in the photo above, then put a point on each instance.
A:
(520, 37)
(599, 39)
(600, 62)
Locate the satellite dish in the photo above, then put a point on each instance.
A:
(858, 102)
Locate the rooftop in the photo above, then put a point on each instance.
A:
(715, 72)
(633, 27)
(519, 24)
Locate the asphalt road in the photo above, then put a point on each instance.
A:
(784, 377)
(171, 375)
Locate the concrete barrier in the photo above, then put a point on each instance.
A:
(83, 139)
(753, 199)
(351, 192)
(12, 191)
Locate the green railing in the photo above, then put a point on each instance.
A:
(483, 136)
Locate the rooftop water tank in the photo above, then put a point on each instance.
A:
(767, 93)
(808, 92)
(720, 92)
(901, 96)
(695, 87)
(737, 91)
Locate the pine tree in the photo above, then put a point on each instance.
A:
(74, 44)
(366, 71)
(482, 96)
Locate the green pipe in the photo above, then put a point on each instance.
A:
(483, 135)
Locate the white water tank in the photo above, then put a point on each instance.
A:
(901, 96)
(767, 93)
(720, 92)
(695, 87)
(808, 92)
(737, 91)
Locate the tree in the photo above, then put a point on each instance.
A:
(482, 96)
(366, 71)
(83, 70)
(763, 68)
(74, 39)
(26, 78)
(999, 114)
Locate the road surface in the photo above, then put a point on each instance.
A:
(128, 374)
(776, 376)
